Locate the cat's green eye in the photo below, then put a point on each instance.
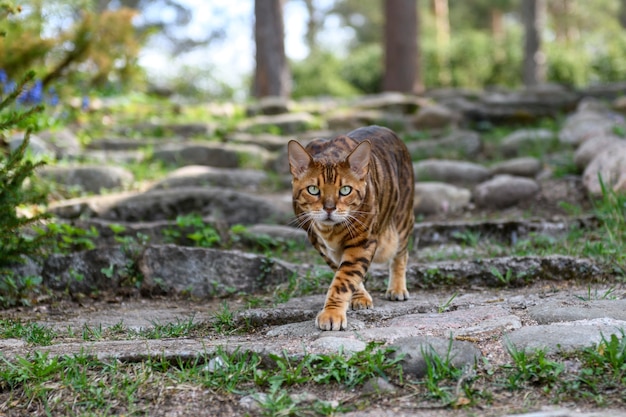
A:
(345, 190)
(313, 189)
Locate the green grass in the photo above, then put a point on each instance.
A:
(40, 384)
(30, 332)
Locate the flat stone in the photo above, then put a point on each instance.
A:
(569, 336)
(37, 146)
(515, 142)
(229, 206)
(522, 167)
(449, 171)
(217, 155)
(435, 116)
(281, 233)
(88, 178)
(286, 124)
(553, 312)
(207, 273)
(308, 328)
(338, 344)
(563, 412)
(417, 349)
(583, 125)
(439, 197)
(593, 146)
(199, 175)
(86, 271)
(264, 140)
(464, 143)
(610, 166)
(459, 322)
(504, 191)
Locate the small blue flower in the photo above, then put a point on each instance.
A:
(53, 97)
(3, 77)
(34, 95)
(8, 87)
(85, 103)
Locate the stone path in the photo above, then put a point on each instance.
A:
(475, 304)
(475, 324)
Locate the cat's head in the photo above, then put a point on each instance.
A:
(329, 190)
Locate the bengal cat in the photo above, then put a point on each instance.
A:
(354, 196)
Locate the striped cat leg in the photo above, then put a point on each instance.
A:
(396, 290)
(348, 281)
(361, 299)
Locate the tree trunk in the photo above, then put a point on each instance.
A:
(312, 27)
(442, 28)
(401, 72)
(622, 13)
(271, 77)
(534, 67)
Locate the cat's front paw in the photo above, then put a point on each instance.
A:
(331, 320)
(397, 295)
(361, 301)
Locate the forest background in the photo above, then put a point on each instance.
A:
(100, 47)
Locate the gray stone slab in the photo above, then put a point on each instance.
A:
(417, 351)
(564, 337)
(554, 311)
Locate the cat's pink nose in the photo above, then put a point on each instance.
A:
(329, 209)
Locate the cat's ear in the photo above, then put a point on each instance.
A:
(299, 159)
(359, 159)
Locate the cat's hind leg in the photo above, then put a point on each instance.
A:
(396, 290)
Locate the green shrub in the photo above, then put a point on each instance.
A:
(318, 75)
(15, 170)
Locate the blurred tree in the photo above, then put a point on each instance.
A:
(401, 71)
(271, 76)
(66, 39)
(534, 66)
(164, 21)
(442, 39)
(365, 17)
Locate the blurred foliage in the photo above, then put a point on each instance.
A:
(317, 76)
(584, 43)
(68, 43)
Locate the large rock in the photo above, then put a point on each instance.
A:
(464, 143)
(455, 172)
(504, 191)
(590, 148)
(435, 116)
(514, 143)
(390, 102)
(212, 154)
(264, 140)
(37, 146)
(347, 120)
(438, 197)
(64, 141)
(286, 124)
(104, 268)
(88, 178)
(228, 206)
(584, 125)
(523, 167)
(610, 166)
(521, 106)
(186, 130)
(197, 176)
(207, 273)
(565, 337)
(418, 350)
(269, 106)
